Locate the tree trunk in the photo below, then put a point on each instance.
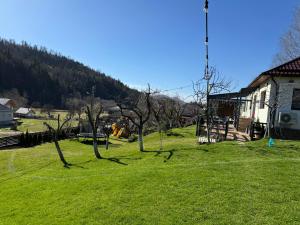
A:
(107, 142)
(161, 139)
(60, 154)
(95, 144)
(208, 126)
(140, 138)
(170, 124)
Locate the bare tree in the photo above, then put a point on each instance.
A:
(76, 106)
(107, 131)
(200, 102)
(93, 112)
(157, 107)
(47, 108)
(138, 112)
(57, 131)
(212, 83)
(290, 42)
(173, 109)
(273, 105)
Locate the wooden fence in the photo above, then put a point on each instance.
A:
(37, 138)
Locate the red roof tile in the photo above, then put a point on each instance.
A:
(289, 69)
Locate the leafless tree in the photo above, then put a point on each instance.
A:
(56, 130)
(93, 112)
(290, 42)
(47, 108)
(76, 106)
(213, 83)
(173, 109)
(107, 131)
(157, 107)
(138, 112)
(273, 104)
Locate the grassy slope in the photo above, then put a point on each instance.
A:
(225, 183)
(37, 125)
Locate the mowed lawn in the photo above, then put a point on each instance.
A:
(37, 125)
(224, 183)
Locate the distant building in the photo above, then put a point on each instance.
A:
(8, 103)
(25, 113)
(6, 115)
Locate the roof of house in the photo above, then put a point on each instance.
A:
(4, 101)
(24, 110)
(3, 108)
(288, 69)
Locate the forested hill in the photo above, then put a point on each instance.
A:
(48, 78)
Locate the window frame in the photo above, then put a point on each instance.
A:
(293, 107)
(262, 101)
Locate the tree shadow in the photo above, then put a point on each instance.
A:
(78, 165)
(116, 160)
(175, 134)
(90, 142)
(159, 152)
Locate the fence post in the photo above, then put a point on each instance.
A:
(252, 131)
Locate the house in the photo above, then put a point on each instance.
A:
(25, 113)
(275, 97)
(272, 98)
(6, 116)
(8, 103)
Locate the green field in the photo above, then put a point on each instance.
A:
(37, 125)
(224, 183)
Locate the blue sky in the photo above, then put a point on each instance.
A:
(160, 42)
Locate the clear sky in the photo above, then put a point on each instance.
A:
(160, 42)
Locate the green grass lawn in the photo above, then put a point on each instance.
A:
(224, 183)
(37, 125)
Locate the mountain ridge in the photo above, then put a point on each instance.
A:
(45, 77)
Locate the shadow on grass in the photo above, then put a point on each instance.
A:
(78, 165)
(90, 142)
(159, 152)
(116, 160)
(175, 134)
(100, 143)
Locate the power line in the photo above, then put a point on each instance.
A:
(178, 88)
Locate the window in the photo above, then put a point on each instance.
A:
(262, 100)
(245, 107)
(296, 99)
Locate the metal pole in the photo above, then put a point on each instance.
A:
(206, 71)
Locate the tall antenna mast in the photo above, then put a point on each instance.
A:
(206, 72)
(207, 75)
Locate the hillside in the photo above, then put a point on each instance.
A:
(186, 183)
(45, 77)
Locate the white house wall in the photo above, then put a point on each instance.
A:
(260, 115)
(285, 99)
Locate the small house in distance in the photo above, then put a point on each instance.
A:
(25, 113)
(9, 103)
(6, 116)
